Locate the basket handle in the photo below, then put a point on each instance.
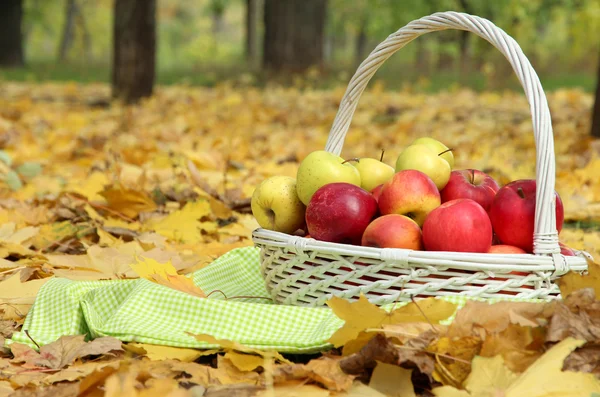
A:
(545, 235)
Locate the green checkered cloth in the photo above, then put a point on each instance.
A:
(142, 311)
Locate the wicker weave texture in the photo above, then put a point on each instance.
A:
(308, 272)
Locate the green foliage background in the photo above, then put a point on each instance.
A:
(561, 38)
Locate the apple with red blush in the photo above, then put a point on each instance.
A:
(393, 231)
(411, 193)
(471, 184)
(505, 249)
(460, 225)
(339, 213)
(513, 213)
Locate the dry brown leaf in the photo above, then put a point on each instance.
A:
(578, 317)
(63, 352)
(584, 359)
(325, 371)
(519, 346)
(378, 349)
(481, 318)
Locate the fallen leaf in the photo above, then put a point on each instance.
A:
(577, 317)
(183, 225)
(378, 349)
(453, 358)
(127, 201)
(584, 359)
(489, 377)
(482, 318)
(18, 297)
(392, 380)
(159, 352)
(325, 371)
(361, 315)
(244, 362)
(166, 275)
(227, 344)
(545, 376)
(573, 281)
(64, 351)
(519, 346)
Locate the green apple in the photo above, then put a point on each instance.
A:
(373, 173)
(425, 159)
(276, 206)
(438, 146)
(320, 168)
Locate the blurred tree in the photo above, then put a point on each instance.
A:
(596, 111)
(68, 31)
(134, 49)
(294, 34)
(217, 10)
(11, 37)
(251, 30)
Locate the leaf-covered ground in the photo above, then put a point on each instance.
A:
(92, 190)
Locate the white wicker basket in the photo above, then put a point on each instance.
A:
(304, 271)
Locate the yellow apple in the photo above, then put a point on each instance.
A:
(438, 147)
(373, 173)
(276, 206)
(320, 168)
(425, 159)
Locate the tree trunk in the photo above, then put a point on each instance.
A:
(251, 31)
(134, 49)
(294, 34)
(68, 31)
(361, 41)
(596, 111)
(464, 61)
(11, 38)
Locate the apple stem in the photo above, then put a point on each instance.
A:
(382, 152)
(445, 151)
(472, 177)
(352, 159)
(520, 192)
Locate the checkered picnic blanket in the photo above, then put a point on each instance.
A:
(139, 310)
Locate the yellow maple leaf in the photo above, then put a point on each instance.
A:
(166, 275)
(127, 201)
(572, 281)
(183, 225)
(231, 345)
(489, 377)
(362, 314)
(90, 186)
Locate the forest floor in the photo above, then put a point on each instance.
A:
(91, 187)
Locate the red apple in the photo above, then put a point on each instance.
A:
(376, 192)
(472, 184)
(566, 251)
(505, 249)
(411, 193)
(513, 213)
(393, 231)
(460, 225)
(340, 213)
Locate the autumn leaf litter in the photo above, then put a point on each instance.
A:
(161, 189)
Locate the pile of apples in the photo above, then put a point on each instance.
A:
(421, 204)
